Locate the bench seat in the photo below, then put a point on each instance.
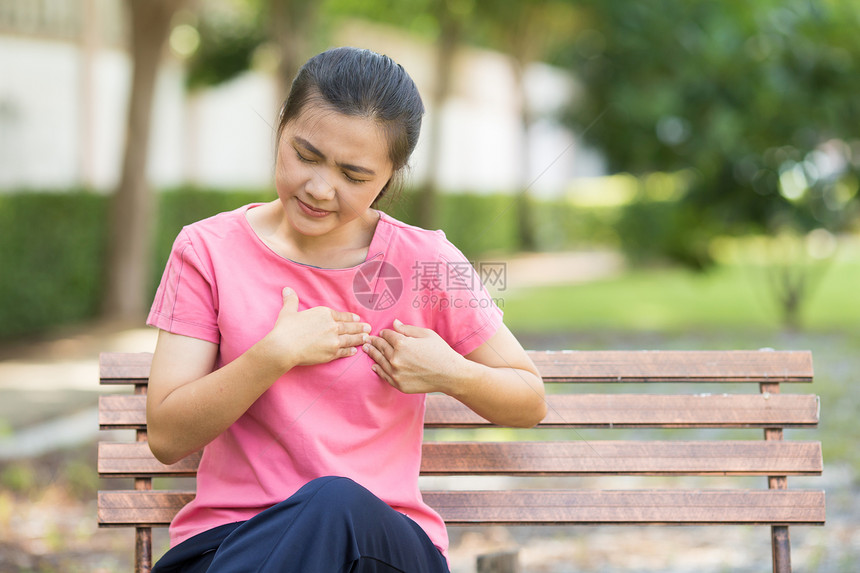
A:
(557, 450)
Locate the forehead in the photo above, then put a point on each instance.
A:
(338, 135)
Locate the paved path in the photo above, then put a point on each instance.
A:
(49, 390)
(545, 269)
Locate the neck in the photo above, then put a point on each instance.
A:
(345, 246)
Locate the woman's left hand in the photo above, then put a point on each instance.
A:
(414, 359)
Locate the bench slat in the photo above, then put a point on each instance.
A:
(650, 410)
(121, 412)
(546, 458)
(622, 458)
(640, 507)
(134, 459)
(142, 508)
(593, 366)
(675, 366)
(582, 411)
(124, 367)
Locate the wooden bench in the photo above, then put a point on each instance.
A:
(571, 406)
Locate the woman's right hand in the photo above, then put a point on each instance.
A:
(313, 336)
(189, 403)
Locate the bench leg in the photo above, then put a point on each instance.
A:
(142, 549)
(781, 549)
(501, 562)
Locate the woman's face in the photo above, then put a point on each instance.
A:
(331, 167)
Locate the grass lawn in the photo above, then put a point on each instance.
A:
(731, 296)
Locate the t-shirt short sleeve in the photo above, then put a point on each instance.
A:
(185, 302)
(467, 315)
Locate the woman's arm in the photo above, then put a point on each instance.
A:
(188, 404)
(498, 380)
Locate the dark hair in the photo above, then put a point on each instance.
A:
(361, 83)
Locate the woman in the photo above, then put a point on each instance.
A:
(298, 339)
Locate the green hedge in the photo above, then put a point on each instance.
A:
(52, 250)
(656, 231)
(52, 245)
(482, 224)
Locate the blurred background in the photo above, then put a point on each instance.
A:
(665, 174)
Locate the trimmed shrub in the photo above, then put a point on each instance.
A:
(53, 245)
(52, 250)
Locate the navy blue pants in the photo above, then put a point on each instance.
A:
(331, 525)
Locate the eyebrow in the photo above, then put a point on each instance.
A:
(348, 166)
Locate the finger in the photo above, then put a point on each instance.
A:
(350, 340)
(387, 342)
(379, 350)
(408, 329)
(344, 352)
(391, 337)
(353, 328)
(291, 300)
(381, 365)
(342, 316)
(381, 372)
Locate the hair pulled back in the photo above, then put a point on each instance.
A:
(361, 83)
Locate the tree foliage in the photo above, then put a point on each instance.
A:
(230, 33)
(755, 100)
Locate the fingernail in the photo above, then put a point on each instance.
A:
(397, 322)
(366, 328)
(365, 347)
(365, 338)
(287, 291)
(355, 317)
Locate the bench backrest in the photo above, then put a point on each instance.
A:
(565, 453)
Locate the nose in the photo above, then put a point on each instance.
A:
(318, 187)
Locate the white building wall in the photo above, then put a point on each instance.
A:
(167, 141)
(39, 113)
(223, 136)
(230, 133)
(111, 79)
(44, 130)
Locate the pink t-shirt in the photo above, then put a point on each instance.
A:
(223, 284)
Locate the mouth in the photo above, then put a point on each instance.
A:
(311, 211)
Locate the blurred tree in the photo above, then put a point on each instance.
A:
(528, 31)
(131, 219)
(233, 32)
(756, 100)
(292, 25)
(230, 33)
(452, 17)
(444, 22)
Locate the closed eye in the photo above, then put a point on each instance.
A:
(304, 159)
(352, 179)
